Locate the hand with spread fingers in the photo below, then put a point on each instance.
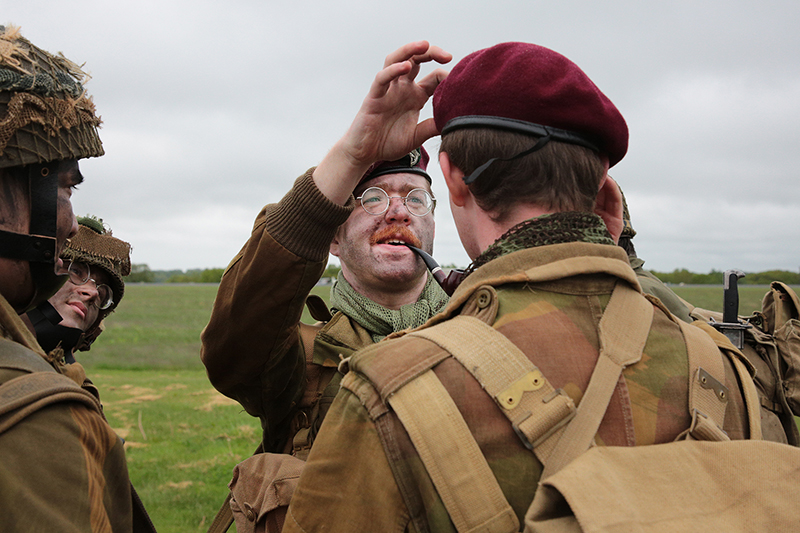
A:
(386, 127)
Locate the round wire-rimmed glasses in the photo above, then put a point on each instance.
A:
(418, 202)
(80, 274)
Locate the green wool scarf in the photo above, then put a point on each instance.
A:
(380, 321)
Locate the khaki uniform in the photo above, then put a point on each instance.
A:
(63, 467)
(555, 323)
(652, 285)
(255, 349)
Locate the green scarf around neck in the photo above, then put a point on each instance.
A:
(379, 320)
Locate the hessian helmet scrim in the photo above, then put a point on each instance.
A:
(46, 117)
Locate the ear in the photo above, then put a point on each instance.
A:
(454, 178)
(609, 206)
(334, 249)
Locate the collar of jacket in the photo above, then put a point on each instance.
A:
(14, 329)
(542, 264)
(338, 339)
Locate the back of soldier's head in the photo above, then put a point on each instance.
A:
(548, 128)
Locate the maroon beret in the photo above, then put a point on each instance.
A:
(414, 162)
(528, 88)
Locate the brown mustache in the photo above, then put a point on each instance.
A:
(395, 232)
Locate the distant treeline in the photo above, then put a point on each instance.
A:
(141, 273)
(714, 277)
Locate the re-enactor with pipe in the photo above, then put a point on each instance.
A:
(367, 199)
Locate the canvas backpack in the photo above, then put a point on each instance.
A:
(688, 485)
(263, 484)
(772, 345)
(40, 387)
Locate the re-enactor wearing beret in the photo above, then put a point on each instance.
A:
(368, 197)
(63, 468)
(527, 140)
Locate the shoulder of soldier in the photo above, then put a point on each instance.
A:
(16, 359)
(391, 363)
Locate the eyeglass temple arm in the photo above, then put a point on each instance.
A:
(448, 282)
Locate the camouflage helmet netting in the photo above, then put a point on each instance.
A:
(45, 113)
(95, 246)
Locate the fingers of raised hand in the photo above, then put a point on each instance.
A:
(432, 80)
(406, 52)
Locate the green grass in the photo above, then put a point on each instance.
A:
(183, 438)
(710, 296)
(156, 326)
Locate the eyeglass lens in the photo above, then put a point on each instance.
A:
(375, 201)
(79, 274)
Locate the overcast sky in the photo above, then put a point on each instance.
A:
(212, 109)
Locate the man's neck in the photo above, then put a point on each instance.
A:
(488, 231)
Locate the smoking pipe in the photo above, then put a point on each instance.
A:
(448, 282)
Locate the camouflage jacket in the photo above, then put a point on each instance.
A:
(63, 467)
(555, 323)
(255, 348)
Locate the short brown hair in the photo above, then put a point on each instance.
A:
(560, 176)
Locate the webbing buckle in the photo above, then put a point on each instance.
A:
(570, 413)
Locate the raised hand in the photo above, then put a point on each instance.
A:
(386, 126)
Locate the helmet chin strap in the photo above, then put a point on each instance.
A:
(51, 334)
(39, 247)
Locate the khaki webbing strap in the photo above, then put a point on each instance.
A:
(22, 396)
(750, 398)
(223, 519)
(752, 402)
(458, 469)
(623, 332)
(536, 410)
(708, 395)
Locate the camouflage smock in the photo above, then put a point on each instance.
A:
(556, 325)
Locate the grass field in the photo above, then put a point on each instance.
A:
(182, 437)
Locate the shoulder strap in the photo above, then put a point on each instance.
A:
(708, 394)
(224, 517)
(622, 341)
(705, 396)
(460, 473)
(26, 394)
(536, 410)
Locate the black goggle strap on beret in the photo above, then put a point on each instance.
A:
(478, 171)
(39, 246)
(546, 134)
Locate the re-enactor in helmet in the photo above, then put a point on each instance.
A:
(96, 263)
(63, 465)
